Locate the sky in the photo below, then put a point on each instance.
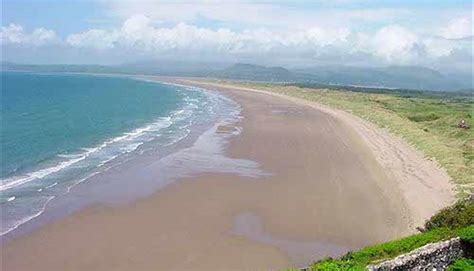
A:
(434, 33)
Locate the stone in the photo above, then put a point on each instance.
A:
(434, 256)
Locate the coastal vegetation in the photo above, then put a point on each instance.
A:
(427, 120)
(458, 215)
(449, 222)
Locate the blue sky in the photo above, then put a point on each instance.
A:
(347, 32)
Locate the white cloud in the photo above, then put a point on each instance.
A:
(137, 32)
(458, 28)
(395, 43)
(15, 34)
(391, 44)
(141, 35)
(95, 38)
(12, 34)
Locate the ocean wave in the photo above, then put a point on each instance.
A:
(72, 168)
(74, 158)
(23, 220)
(17, 181)
(51, 185)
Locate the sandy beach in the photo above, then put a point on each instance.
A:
(333, 183)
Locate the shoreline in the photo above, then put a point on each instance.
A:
(306, 205)
(77, 196)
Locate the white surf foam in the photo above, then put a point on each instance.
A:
(72, 159)
(101, 154)
(25, 219)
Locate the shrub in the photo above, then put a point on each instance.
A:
(426, 117)
(467, 235)
(459, 215)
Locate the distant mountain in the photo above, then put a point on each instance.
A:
(401, 77)
(404, 77)
(256, 73)
(174, 68)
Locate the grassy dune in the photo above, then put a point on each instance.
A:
(426, 120)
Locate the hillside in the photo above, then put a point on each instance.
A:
(256, 73)
(404, 77)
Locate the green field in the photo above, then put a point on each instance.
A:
(426, 120)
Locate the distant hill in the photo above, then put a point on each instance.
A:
(256, 73)
(174, 68)
(400, 77)
(404, 77)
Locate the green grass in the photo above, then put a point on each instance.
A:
(360, 259)
(462, 264)
(449, 222)
(467, 262)
(425, 120)
(423, 117)
(467, 234)
(373, 254)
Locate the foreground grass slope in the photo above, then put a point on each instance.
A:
(360, 259)
(457, 220)
(426, 120)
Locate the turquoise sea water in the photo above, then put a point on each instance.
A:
(58, 130)
(48, 115)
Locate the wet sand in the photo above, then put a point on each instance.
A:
(325, 193)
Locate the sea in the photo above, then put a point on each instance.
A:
(59, 130)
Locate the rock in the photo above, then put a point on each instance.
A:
(435, 256)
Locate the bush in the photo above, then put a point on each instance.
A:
(467, 235)
(459, 215)
(420, 118)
